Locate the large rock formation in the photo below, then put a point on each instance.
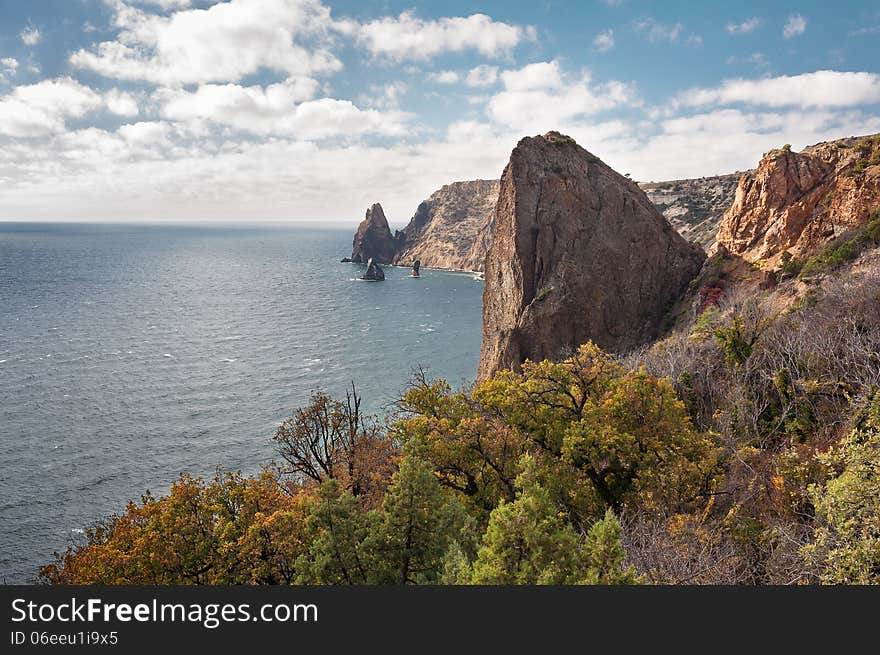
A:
(373, 239)
(694, 207)
(452, 228)
(578, 253)
(796, 201)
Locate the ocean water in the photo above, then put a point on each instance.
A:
(129, 354)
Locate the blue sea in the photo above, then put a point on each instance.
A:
(130, 354)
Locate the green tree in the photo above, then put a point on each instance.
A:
(335, 530)
(527, 541)
(415, 526)
(604, 556)
(847, 543)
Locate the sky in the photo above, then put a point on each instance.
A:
(260, 111)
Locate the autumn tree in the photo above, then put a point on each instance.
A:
(333, 439)
(637, 447)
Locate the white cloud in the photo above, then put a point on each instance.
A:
(42, 108)
(150, 172)
(224, 42)
(728, 140)
(817, 89)
(121, 103)
(410, 37)
(482, 75)
(8, 68)
(540, 97)
(657, 32)
(30, 36)
(166, 4)
(444, 77)
(286, 108)
(746, 27)
(385, 96)
(794, 26)
(604, 41)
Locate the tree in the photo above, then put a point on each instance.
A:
(604, 556)
(637, 447)
(417, 523)
(335, 530)
(472, 450)
(847, 544)
(527, 541)
(331, 439)
(229, 530)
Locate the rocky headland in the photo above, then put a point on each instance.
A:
(579, 253)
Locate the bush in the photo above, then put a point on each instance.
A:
(845, 249)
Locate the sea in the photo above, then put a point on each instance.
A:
(132, 353)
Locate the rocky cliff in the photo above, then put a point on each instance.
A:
(578, 253)
(694, 207)
(373, 239)
(451, 229)
(797, 201)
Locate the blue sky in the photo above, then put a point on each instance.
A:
(303, 110)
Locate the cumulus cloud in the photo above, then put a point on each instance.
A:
(286, 108)
(604, 41)
(817, 89)
(746, 27)
(540, 97)
(794, 26)
(408, 37)
(42, 108)
(30, 36)
(121, 103)
(224, 42)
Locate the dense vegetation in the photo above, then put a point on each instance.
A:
(744, 450)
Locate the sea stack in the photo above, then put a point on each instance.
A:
(373, 239)
(374, 272)
(579, 253)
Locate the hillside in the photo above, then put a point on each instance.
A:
(451, 229)
(694, 207)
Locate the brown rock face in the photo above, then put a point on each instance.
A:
(451, 229)
(579, 253)
(373, 239)
(797, 201)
